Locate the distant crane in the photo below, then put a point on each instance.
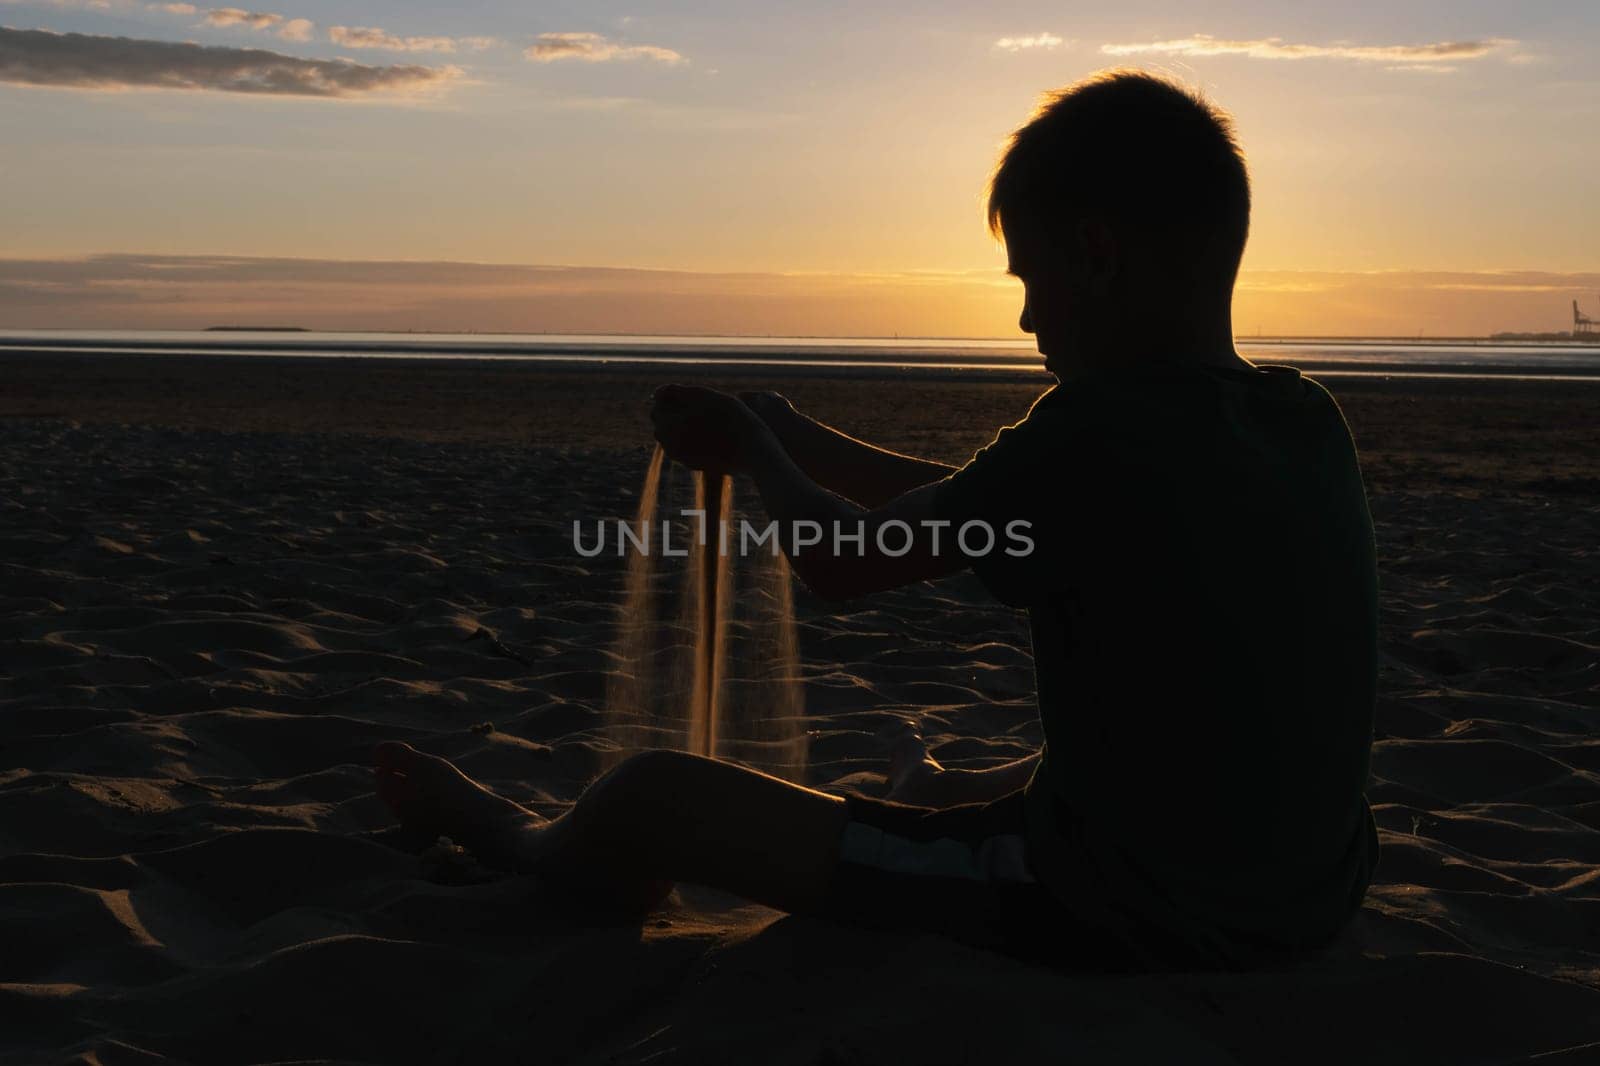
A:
(1581, 323)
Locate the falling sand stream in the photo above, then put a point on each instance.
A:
(723, 681)
(713, 497)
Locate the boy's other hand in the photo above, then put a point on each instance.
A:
(705, 429)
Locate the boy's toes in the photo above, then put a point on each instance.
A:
(394, 755)
(907, 751)
(897, 730)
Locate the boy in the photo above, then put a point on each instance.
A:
(1201, 589)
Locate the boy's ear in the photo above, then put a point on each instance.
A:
(1101, 254)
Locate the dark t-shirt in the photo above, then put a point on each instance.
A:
(1203, 598)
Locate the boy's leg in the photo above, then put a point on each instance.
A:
(664, 816)
(660, 816)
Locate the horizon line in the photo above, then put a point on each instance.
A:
(7, 332)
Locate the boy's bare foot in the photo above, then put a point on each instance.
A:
(431, 796)
(917, 778)
(912, 771)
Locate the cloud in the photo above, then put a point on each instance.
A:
(173, 9)
(158, 291)
(1408, 55)
(287, 28)
(373, 37)
(85, 61)
(166, 291)
(1541, 283)
(93, 5)
(238, 16)
(593, 48)
(1395, 303)
(1030, 43)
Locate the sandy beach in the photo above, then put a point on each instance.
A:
(223, 580)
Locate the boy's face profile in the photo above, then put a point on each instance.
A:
(1066, 288)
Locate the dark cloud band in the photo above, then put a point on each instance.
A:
(87, 61)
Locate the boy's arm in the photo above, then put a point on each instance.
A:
(858, 471)
(896, 543)
(915, 551)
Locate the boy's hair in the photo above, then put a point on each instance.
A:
(1145, 152)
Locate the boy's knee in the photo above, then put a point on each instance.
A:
(648, 774)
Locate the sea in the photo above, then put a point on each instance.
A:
(869, 356)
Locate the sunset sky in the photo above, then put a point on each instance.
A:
(763, 168)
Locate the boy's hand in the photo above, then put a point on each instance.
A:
(775, 408)
(705, 429)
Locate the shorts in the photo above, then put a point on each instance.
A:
(960, 872)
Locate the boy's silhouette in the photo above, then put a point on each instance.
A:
(1202, 594)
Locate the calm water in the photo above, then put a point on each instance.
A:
(1331, 358)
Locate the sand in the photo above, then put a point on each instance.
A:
(221, 583)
